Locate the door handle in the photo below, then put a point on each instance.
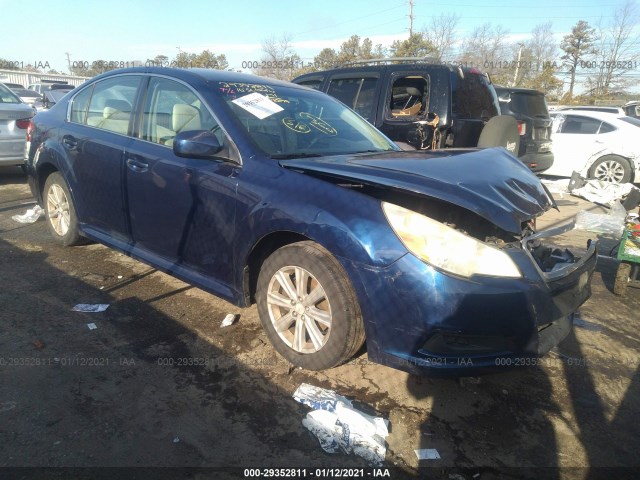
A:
(137, 165)
(69, 142)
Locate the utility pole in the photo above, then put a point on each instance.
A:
(515, 77)
(410, 18)
(68, 61)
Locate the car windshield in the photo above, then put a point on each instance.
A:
(287, 122)
(7, 96)
(529, 104)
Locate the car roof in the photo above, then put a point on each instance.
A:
(603, 116)
(529, 91)
(202, 74)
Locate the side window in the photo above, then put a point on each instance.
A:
(315, 83)
(356, 93)
(580, 125)
(111, 104)
(606, 128)
(80, 106)
(171, 108)
(409, 97)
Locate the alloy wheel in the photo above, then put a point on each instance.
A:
(299, 309)
(58, 208)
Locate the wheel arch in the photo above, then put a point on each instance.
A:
(589, 168)
(259, 253)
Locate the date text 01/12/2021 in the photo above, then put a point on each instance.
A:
(317, 473)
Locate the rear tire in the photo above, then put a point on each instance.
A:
(308, 307)
(61, 213)
(611, 168)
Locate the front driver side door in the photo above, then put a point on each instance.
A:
(181, 210)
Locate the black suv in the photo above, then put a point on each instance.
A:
(529, 107)
(418, 105)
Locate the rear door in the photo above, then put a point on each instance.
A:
(94, 143)
(575, 141)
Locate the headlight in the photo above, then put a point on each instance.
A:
(447, 249)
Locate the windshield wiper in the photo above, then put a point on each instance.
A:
(285, 156)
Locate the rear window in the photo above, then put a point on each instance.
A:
(529, 104)
(473, 97)
(7, 96)
(631, 120)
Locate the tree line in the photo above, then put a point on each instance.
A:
(604, 58)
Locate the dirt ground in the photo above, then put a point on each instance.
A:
(159, 383)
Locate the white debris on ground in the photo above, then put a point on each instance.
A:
(559, 187)
(339, 426)
(427, 454)
(229, 320)
(30, 216)
(603, 193)
(611, 223)
(595, 191)
(90, 308)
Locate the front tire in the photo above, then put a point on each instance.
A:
(611, 168)
(61, 213)
(308, 307)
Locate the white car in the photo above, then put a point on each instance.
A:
(605, 146)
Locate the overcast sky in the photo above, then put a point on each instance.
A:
(127, 30)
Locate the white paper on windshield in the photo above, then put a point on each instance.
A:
(258, 105)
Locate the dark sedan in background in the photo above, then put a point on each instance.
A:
(263, 191)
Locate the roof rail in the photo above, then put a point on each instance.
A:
(386, 61)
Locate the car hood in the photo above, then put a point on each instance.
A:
(489, 182)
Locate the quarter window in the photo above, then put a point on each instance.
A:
(80, 106)
(111, 104)
(171, 108)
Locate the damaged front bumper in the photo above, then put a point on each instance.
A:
(424, 321)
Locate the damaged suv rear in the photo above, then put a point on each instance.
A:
(262, 191)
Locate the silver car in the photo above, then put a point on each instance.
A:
(14, 120)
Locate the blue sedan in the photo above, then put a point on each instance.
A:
(266, 192)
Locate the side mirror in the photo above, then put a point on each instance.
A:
(196, 144)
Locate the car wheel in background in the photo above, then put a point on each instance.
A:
(611, 168)
(308, 307)
(61, 213)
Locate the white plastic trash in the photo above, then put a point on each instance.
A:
(90, 308)
(427, 454)
(339, 426)
(229, 320)
(30, 216)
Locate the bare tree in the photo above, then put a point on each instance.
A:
(441, 33)
(279, 61)
(542, 46)
(617, 52)
(487, 48)
(578, 47)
